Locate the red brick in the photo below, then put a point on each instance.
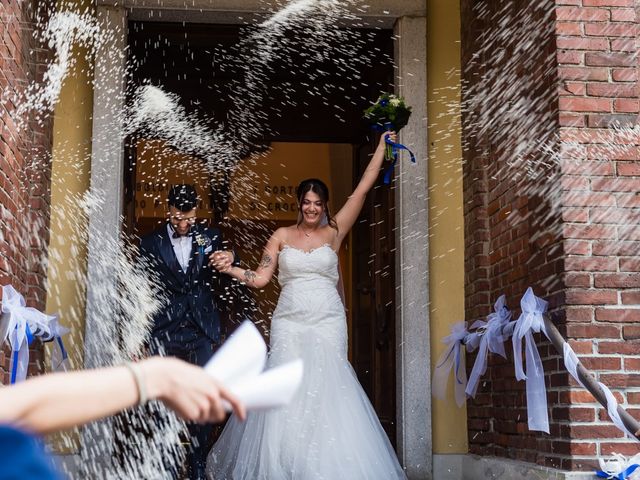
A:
(589, 232)
(613, 215)
(624, 75)
(594, 431)
(623, 15)
(577, 280)
(574, 414)
(611, 29)
(609, 59)
(617, 315)
(628, 169)
(632, 364)
(627, 105)
(601, 363)
(619, 348)
(579, 396)
(624, 45)
(612, 90)
(629, 200)
(577, 330)
(581, 347)
(617, 280)
(630, 232)
(569, 57)
(591, 297)
(630, 298)
(569, 28)
(593, 168)
(615, 185)
(572, 120)
(608, 3)
(579, 314)
(609, 448)
(583, 73)
(574, 104)
(578, 14)
(575, 448)
(576, 215)
(619, 380)
(591, 264)
(582, 43)
(630, 265)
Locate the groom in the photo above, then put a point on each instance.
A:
(179, 255)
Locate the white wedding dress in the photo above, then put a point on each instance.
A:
(330, 431)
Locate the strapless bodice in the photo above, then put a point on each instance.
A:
(298, 267)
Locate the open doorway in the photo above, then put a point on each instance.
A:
(313, 134)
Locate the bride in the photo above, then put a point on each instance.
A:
(330, 431)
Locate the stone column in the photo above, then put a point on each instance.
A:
(107, 159)
(412, 261)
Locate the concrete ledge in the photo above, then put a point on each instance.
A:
(472, 467)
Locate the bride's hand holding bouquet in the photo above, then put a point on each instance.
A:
(389, 113)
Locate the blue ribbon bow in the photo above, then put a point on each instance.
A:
(16, 353)
(620, 476)
(395, 148)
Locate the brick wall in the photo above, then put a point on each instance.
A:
(512, 230)
(551, 201)
(24, 165)
(598, 101)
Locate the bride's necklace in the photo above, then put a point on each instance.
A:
(306, 234)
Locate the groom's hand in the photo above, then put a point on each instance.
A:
(221, 260)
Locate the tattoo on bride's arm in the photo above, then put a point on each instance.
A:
(266, 261)
(249, 276)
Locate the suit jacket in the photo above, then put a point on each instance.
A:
(190, 295)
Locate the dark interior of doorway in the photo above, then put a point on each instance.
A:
(200, 63)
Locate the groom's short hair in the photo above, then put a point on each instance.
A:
(183, 197)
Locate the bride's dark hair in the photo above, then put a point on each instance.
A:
(319, 188)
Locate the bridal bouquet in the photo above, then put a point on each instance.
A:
(389, 112)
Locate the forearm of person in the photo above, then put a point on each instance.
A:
(249, 277)
(63, 400)
(372, 171)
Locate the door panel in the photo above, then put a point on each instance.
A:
(373, 333)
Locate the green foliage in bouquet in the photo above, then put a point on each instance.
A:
(390, 112)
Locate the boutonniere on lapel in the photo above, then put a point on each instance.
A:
(203, 242)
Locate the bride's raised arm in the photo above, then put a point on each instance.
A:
(262, 275)
(348, 214)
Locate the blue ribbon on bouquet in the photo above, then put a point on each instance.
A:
(620, 476)
(395, 148)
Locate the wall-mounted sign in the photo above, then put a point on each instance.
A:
(265, 188)
(158, 168)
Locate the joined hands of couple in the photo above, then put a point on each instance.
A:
(221, 260)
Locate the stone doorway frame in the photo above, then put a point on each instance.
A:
(408, 20)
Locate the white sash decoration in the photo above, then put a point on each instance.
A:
(450, 360)
(612, 410)
(571, 362)
(58, 352)
(239, 365)
(491, 340)
(531, 321)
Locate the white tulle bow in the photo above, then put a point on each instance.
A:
(490, 339)
(531, 321)
(20, 324)
(451, 360)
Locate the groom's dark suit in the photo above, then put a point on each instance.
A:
(188, 326)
